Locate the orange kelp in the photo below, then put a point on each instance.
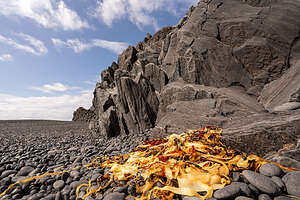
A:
(192, 163)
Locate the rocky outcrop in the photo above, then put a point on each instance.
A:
(83, 115)
(233, 64)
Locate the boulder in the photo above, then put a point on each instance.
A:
(127, 58)
(138, 103)
(292, 182)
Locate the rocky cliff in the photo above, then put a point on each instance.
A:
(233, 64)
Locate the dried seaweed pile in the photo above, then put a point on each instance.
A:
(194, 163)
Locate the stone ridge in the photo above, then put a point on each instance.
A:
(233, 64)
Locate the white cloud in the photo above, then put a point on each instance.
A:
(90, 82)
(55, 87)
(51, 108)
(33, 46)
(139, 12)
(79, 46)
(5, 57)
(117, 47)
(75, 44)
(48, 13)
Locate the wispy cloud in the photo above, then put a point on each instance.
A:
(5, 57)
(52, 108)
(80, 46)
(55, 87)
(139, 12)
(74, 44)
(33, 46)
(48, 13)
(90, 82)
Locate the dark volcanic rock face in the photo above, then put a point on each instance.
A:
(83, 115)
(233, 64)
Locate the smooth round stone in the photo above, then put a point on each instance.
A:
(243, 198)
(16, 191)
(65, 176)
(73, 197)
(74, 174)
(233, 190)
(24, 171)
(264, 197)
(270, 170)
(279, 182)
(17, 196)
(33, 191)
(6, 181)
(121, 189)
(18, 178)
(262, 182)
(292, 183)
(253, 189)
(236, 176)
(95, 177)
(287, 106)
(75, 184)
(284, 198)
(190, 198)
(58, 185)
(58, 196)
(49, 197)
(7, 173)
(36, 196)
(114, 196)
(67, 189)
(2, 169)
(91, 198)
(6, 197)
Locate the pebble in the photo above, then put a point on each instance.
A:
(114, 196)
(2, 169)
(264, 197)
(7, 173)
(292, 183)
(58, 196)
(279, 182)
(67, 189)
(270, 169)
(49, 197)
(75, 174)
(95, 176)
(58, 185)
(36, 196)
(236, 176)
(121, 189)
(262, 182)
(233, 190)
(243, 198)
(17, 178)
(254, 190)
(190, 198)
(91, 198)
(284, 198)
(75, 184)
(24, 171)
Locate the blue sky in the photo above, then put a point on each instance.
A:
(53, 51)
